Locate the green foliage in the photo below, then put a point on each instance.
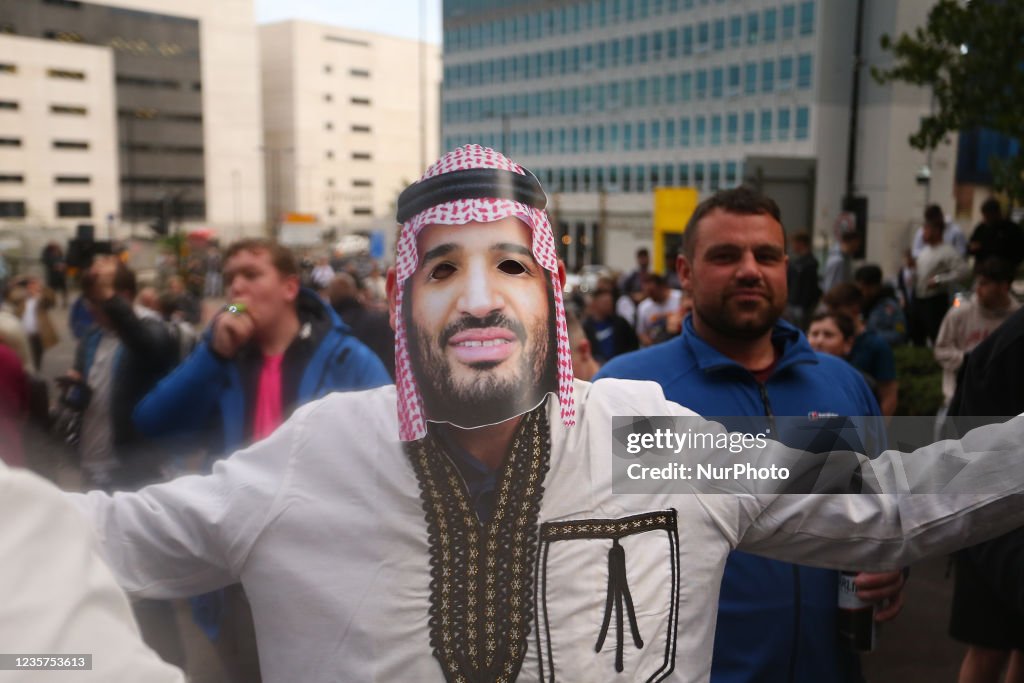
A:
(971, 56)
(920, 379)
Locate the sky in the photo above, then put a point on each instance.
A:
(392, 17)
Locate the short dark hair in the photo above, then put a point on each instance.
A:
(868, 274)
(842, 321)
(643, 251)
(280, 256)
(124, 280)
(656, 279)
(844, 294)
(996, 269)
(933, 216)
(742, 200)
(802, 238)
(991, 206)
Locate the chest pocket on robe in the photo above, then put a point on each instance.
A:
(608, 598)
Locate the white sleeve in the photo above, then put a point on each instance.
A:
(57, 595)
(193, 535)
(939, 498)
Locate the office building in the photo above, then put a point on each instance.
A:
(608, 99)
(351, 119)
(186, 100)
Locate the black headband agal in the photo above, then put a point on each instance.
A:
(472, 183)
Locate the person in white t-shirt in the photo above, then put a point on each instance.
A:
(653, 312)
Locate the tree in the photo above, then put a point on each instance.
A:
(971, 55)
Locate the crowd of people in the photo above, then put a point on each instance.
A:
(220, 352)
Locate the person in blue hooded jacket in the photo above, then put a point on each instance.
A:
(274, 348)
(737, 357)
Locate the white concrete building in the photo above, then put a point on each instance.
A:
(608, 99)
(187, 101)
(351, 118)
(58, 134)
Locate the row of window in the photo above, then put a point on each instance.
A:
(590, 14)
(155, 83)
(18, 178)
(356, 182)
(731, 77)
(355, 73)
(710, 175)
(765, 125)
(356, 156)
(704, 84)
(355, 127)
(67, 74)
(57, 144)
(616, 52)
(64, 209)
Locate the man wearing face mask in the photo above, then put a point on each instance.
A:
(461, 526)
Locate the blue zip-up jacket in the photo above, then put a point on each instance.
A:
(205, 385)
(776, 621)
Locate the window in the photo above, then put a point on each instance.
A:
(803, 123)
(785, 72)
(627, 137)
(641, 49)
(8, 68)
(70, 144)
(731, 173)
(138, 82)
(72, 179)
(362, 211)
(702, 84)
(736, 31)
(69, 4)
(362, 101)
(684, 132)
(683, 174)
(732, 125)
(356, 128)
(330, 154)
(11, 178)
(766, 125)
(703, 36)
(327, 68)
(9, 105)
(716, 130)
(719, 34)
(803, 72)
(714, 175)
(687, 40)
(362, 182)
(700, 128)
(69, 75)
(10, 142)
(717, 82)
(770, 18)
(671, 88)
(748, 126)
(64, 36)
(359, 73)
(767, 76)
(673, 44)
(750, 78)
(734, 79)
(10, 209)
(783, 120)
(753, 21)
(670, 133)
(361, 156)
(788, 21)
(641, 135)
(328, 126)
(807, 18)
(74, 209)
(698, 175)
(685, 87)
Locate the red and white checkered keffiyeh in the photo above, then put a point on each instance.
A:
(411, 417)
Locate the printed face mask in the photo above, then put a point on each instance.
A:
(480, 323)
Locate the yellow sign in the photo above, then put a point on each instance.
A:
(673, 207)
(299, 218)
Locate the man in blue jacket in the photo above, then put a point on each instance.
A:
(275, 348)
(737, 357)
